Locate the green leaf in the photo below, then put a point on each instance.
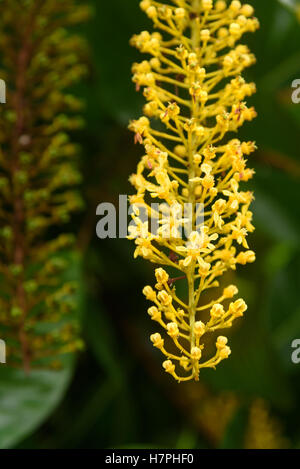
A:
(26, 401)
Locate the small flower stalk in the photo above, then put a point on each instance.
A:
(195, 96)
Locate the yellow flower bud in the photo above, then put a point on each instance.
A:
(242, 20)
(154, 313)
(151, 12)
(165, 12)
(224, 352)
(247, 10)
(197, 158)
(222, 33)
(169, 367)
(196, 353)
(149, 293)
(238, 308)
(164, 298)
(182, 52)
(220, 5)
(201, 72)
(205, 34)
(180, 13)
(230, 291)
(246, 257)
(155, 63)
(184, 363)
(157, 341)
(235, 6)
(228, 61)
(204, 268)
(221, 342)
(161, 276)
(207, 5)
(217, 311)
(172, 329)
(235, 29)
(180, 150)
(150, 109)
(209, 152)
(206, 168)
(208, 182)
(199, 131)
(199, 328)
(203, 96)
(145, 4)
(192, 59)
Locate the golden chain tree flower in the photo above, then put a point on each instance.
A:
(195, 96)
(40, 59)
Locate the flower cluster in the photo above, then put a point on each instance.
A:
(195, 96)
(38, 173)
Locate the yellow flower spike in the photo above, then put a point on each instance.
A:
(195, 92)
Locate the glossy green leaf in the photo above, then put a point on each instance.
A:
(27, 401)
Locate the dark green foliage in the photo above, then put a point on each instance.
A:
(40, 61)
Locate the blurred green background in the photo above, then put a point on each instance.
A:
(115, 394)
